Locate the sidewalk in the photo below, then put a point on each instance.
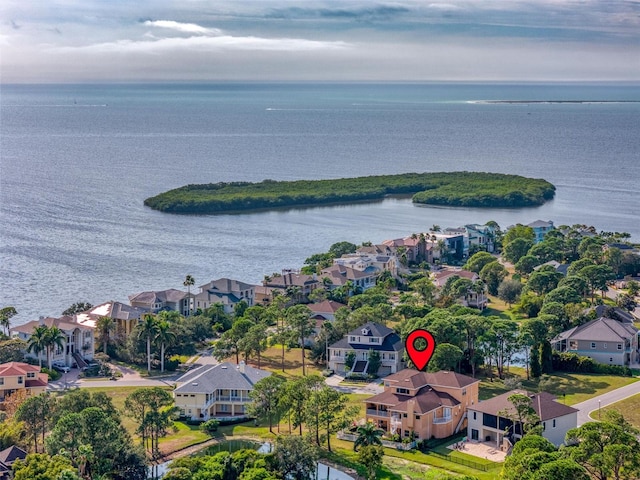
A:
(372, 388)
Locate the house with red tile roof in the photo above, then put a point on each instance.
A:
(17, 375)
(423, 405)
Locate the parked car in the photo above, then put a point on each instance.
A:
(61, 368)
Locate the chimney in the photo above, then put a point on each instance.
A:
(241, 366)
(41, 320)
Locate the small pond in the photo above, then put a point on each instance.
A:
(323, 472)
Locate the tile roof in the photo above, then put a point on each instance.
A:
(544, 404)
(14, 369)
(172, 295)
(66, 323)
(326, 306)
(601, 329)
(425, 401)
(414, 379)
(226, 285)
(209, 378)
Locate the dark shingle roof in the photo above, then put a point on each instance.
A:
(414, 379)
(11, 454)
(426, 400)
(544, 404)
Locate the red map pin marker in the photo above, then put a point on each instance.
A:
(420, 358)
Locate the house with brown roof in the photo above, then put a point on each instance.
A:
(369, 337)
(77, 346)
(325, 310)
(292, 281)
(423, 405)
(124, 316)
(493, 421)
(606, 340)
(155, 301)
(17, 376)
(338, 275)
(225, 291)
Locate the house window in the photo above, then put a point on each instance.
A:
(404, 415)
(544, 426)
(20, 380)
(392, 356)
(31, 375)
(406, 433)
(464, 391)
(402, 390)
(619, 346)
(352, 339)
(593, 344)
(447, 411)
(605, 346)
(417, 417)
(1, 380)
(373, 340)
(416, 434)
(475, 416)
(573, 345)
(554, 423)
(474, 434)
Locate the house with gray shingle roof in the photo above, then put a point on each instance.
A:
(8, 457)
(604, 339)
(156, 301)
(225, 291)
(370, 336)
(216, 391)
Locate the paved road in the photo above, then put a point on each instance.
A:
(603, 400)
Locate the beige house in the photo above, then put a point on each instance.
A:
(226, 292)
(492, 420)
(292, 282)
(77, 346)
(216, 391)
(604, 339)
(17, 376)
(155, 301)
(423, 405)
(125, 316)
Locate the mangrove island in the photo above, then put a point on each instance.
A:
(460, 189)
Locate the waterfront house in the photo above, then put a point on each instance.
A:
(78, 345)
(370, 336)
(226, 292)
(216, 391)
(325, 310)
(364, 261)
(423, 405)
(17, 376)
(493, 420)
(540, 229)
(338, 275)
(156, 301)
(605, 340)
(293, 283)
(481, 235)
(124, 316)
(415, 248)
(441, 276)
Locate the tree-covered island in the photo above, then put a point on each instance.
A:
(460, 189)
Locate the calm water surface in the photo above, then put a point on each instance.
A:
(76, 163)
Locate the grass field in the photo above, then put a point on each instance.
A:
(271, 360)
(629, 408)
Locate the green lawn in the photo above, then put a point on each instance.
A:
(271, 360)
(629, 408)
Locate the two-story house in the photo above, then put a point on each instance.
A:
(362, 261)
(293, 283)
(226, 292)
(604, 339)
(124, 316)
(481, 235)
(17, 375)
(495, 419)
(216, 391)
(370, 336)
(78, 344)
(338, 275)
(540, 229)
(423, 405)
(155, 301)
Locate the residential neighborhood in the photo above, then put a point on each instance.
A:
(528, 324)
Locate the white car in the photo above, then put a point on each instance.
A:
(61, 368)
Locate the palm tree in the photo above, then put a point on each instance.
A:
(5, 316)
(148, 329)
(53, 337)
(105, 327)
(189, 281)
(37, 341)
(368, 434)
(165, 336)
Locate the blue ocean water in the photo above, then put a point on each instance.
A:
(77, 161)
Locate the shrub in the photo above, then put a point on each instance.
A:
(53, 374)
(572, 362)
(210, 426)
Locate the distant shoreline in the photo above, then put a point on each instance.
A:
(551, 102)
(457, 189)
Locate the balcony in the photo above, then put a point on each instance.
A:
(231, 398)
(377, 413)
(442, 420)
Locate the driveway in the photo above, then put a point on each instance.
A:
(372, 388)
(595, 403)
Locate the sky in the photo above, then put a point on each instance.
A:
(50, 41)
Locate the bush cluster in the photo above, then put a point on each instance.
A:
(574, 363)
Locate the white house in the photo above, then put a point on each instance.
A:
(225, 291)
(370, 336)
(216, 391)
(490, 419)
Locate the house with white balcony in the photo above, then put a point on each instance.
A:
(226, 292)
(362, 341)
(423, 405)
(77, 346)
(217, 391)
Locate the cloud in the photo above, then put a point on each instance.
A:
(183, 27)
